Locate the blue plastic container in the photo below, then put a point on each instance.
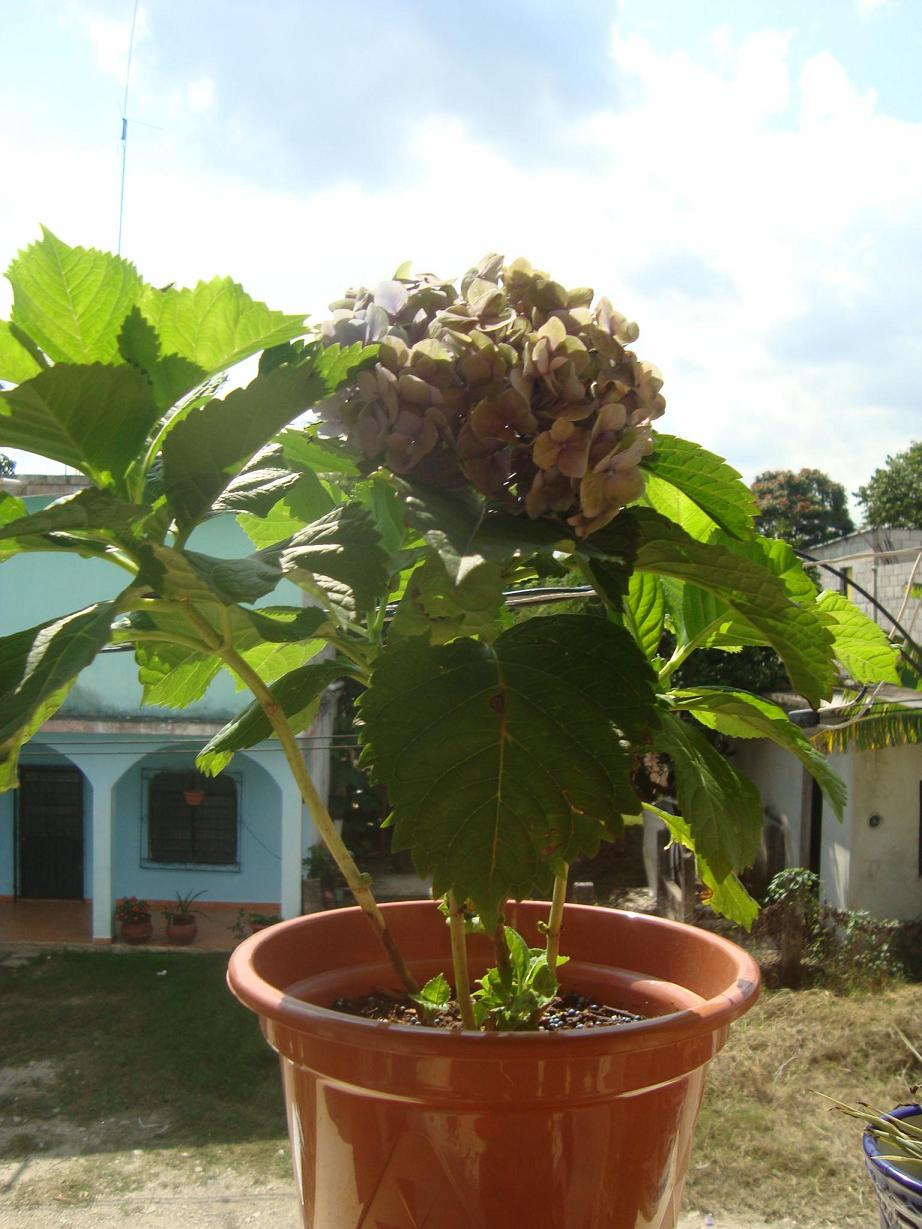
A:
(900, 1195)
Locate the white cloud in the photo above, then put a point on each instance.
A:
(109, 37)
(729, 210)
(200, 94)
(866, 8)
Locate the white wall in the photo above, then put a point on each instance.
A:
(884, 875)
(783, 785)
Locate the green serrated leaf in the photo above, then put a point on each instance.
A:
(343, 546)
(215, 324)
(498, 758)
(728, 897)
(858, 643)
(171, 375)
(302, 449)
(93, 418)
(435, 993)
(212, 444)
(36, 663)
(11, 747)
(174, 675)
(712, 484)
(645, 611)
(304, 501)
(297, 694)
(72, 301)
(88, 511)
(721, 808)
(435, 606)
(739, 714)
(751, 590)
(236, 580)
(16, 363)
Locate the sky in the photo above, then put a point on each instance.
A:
(743, 179)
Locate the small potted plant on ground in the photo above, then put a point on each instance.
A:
(133, 917)
(485, 447)
(181, 926)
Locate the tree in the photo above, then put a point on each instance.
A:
(7, 466)
(805, 508)
(892, 496)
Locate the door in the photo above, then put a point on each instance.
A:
(50, 833)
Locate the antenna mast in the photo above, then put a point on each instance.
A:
(124, 136)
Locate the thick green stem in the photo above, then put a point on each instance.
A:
(555, 918)
(459, 961)
(358, 883)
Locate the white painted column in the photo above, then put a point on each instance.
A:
(102, 772)
(290, 845)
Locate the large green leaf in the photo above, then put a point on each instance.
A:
(644, 611)
(171, 375)
(236, 580)
(88, 511)
(215, 324)
(72, 301)
(94, 418)
(435, 606)
(36, 663)
(501, 760)
(174, 675)
(16, 361)
(303, 502)
(750, 590)
(726, 896)
(858, 643)
(721, 807)
(739, 714)
(305, 450)
(297, 695)
(343, 546)
(706, 479)
(11, 747)
(211, 444)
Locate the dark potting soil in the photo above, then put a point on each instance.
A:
(567, 1011)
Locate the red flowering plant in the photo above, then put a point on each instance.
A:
(131, 909)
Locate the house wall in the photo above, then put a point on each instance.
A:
(884, 877)
(39, 586)
(881, 561)
(783, 786)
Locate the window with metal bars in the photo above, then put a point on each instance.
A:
(192, 822)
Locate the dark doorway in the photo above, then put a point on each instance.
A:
(50, 833)
(816, 828)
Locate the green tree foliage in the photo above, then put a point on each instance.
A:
(804, 507)
(7, 466)
(892, 496)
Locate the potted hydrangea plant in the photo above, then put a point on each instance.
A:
(133, 917)
(472, 448)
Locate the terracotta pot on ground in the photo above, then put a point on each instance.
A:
(137, 932)
(403, 1126)
(181, 930)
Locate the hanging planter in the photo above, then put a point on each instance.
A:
(389, 1121)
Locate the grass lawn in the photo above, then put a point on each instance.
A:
(108, 1053)
(140, 1066)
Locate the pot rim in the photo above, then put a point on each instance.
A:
(277, 1005)
(892, 1171)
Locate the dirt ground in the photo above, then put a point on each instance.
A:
(161, 1194)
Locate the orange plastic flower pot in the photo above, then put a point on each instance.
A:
(399, 1127)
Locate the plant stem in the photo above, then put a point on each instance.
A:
(359, 884)
(501, 949)
(459, 961)
(685, 651)
(555, 918)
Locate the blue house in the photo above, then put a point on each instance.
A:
(109, 804)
